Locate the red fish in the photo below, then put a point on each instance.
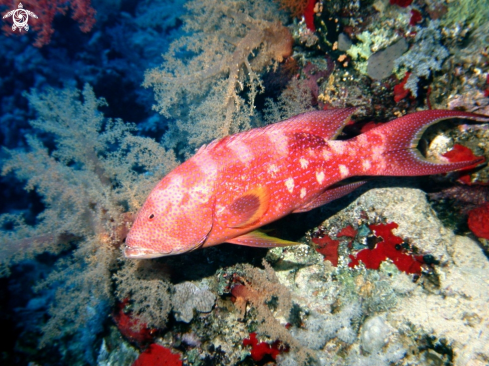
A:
(239, 183)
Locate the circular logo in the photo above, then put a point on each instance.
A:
(20, 17)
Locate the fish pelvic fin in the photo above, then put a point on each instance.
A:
(259, 239)
(400, 156)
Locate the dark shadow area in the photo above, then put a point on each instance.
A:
(205, 262)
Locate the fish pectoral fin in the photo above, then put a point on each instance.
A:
(329, 195)
(248, 208)
(259, 239)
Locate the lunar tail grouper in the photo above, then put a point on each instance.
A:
(239, 183)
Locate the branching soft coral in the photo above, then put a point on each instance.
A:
(210, 78)
(261, 289)
(87, 171)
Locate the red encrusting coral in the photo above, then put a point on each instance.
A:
(390, 248)
(479, 221)
(156, 355)
(131, 328)
(416, 17)
(309, 15)
(348, 231)
(401, 3)
(260, 350)
(486, 91)
(328, 248)
(82, 12)
(399, 91)
(462, 153)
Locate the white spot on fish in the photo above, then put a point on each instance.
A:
(289, 183)
(206, 164)
(338, 147)
(320, 177)
(272, 170)
(279, 141)
(377, 152)
(366, 165)
(303, 192)
(243, 153)
(381, 165)
(361, 140)
(304, 163)
(219, 209)
(327, 154)
(344, 172)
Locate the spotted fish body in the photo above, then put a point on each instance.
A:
(237, 184)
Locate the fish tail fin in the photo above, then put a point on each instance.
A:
(399, 140)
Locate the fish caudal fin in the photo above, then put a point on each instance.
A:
(400, 138)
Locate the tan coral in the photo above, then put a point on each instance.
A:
(212, 92)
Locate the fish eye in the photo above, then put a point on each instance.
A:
(151, 217)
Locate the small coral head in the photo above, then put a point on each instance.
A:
(173, 220)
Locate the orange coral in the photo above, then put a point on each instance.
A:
(296, 7)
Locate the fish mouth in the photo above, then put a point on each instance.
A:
(142, 253)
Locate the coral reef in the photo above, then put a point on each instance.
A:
(424, 57)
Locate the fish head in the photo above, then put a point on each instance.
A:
(176, 218)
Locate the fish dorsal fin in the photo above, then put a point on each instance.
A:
(259, 239)
(326, 124)
(248, 208)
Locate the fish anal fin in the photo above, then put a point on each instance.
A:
(329, 195)
(259, 239)
(248, 208)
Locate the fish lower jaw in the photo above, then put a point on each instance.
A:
(141, 253)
